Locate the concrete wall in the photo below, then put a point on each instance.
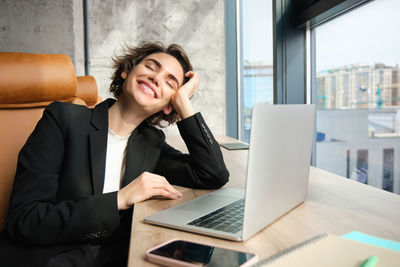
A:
(48, 26)
(197, 25)
(43, 26)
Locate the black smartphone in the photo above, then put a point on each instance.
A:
(189, 254)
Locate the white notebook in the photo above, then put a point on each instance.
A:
(332, 251)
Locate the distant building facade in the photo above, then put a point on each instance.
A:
(358, 120)
(358, 87)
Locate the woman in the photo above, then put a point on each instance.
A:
(82, 170)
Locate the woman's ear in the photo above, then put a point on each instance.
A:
(124, 75)
(168, 109)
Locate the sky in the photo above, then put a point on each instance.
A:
(367, 35)
(257, 30)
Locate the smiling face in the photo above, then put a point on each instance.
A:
(151, 84)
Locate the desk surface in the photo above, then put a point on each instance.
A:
(334, 205)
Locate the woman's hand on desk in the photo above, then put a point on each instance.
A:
(145, 186)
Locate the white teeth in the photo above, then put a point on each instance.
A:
(148, 90)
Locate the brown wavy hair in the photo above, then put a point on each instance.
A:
(132, 56)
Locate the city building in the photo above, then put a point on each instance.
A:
(358, 87)
(358, 124)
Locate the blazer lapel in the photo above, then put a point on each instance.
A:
(98, 144)
(98, 149)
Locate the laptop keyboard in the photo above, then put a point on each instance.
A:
(227, 219)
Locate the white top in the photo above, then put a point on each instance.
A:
(115, 161)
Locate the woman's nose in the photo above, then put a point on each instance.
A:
(155, 79)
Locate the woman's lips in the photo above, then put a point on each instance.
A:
(148, 90)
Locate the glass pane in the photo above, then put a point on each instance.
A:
(357, 95)
(362, 166)
(388, 169)
(257, 65)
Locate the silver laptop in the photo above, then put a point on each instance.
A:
(277, 179)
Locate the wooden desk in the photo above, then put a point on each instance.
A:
(334, 205)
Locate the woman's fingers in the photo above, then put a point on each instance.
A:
(145, 186)
(190, 87)
(170, 188)
(181, 99)
(161, 182)
(151, 185)
(164, 193)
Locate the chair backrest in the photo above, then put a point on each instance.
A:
(28, 83)
(87, 90)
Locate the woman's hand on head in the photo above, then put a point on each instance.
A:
(145, 186)
(181, 99)
(190, 87)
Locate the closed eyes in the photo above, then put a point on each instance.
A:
(170, 85)
(153, 65)
(149, 67)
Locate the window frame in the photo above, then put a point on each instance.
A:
(289, 42)
(294, 39)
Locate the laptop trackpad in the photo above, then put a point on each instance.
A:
(188, 211)
(206, 204)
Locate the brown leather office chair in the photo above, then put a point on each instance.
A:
(87, 90)
(28, 83)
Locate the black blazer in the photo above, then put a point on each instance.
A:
(57, 195)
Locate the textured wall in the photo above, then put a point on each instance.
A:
(43, 26)
(48, 26)
(197, 25)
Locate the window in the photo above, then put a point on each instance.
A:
(362, 166)
(256, 66)
(357, 94)
(388, 169)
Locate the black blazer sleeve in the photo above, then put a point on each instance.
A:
(35, 215)
(203, 167)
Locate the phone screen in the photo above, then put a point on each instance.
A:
(202, 254)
